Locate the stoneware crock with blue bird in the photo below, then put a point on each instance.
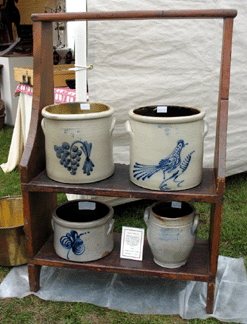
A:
(166, 147)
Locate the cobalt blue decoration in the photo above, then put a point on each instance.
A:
(72, 241)
(70, 156)
(171, 164)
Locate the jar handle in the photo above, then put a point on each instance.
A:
(113, 125)
(195, 224)
(129, 129)
(110, 229)
(43, 124)
(147, 215)
(206, 128)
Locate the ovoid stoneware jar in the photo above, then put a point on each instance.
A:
(171, 232)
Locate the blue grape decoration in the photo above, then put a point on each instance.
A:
(70, 156)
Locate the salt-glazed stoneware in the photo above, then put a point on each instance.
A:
(78, 141)
(171, 232)
(166, 147)
(83, 230)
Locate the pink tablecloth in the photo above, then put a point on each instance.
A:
(60, 94)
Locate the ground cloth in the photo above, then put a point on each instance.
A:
(140, 295)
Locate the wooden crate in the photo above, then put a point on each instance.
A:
(61, 74)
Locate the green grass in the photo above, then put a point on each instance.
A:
(9, 183)
(31, 309)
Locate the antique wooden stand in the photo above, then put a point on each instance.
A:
(39, 192)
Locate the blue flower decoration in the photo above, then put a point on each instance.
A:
(72, 241)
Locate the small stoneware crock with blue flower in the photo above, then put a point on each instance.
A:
(83, 230)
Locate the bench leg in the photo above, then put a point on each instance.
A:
(34, 277)
(210, 297)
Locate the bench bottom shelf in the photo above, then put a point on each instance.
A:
(197, 267)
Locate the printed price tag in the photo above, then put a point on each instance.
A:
(86, 205)
(176, 204)
(162, 109)
(132, 242)
(85, 106)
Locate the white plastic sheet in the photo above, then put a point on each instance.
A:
(140, 295)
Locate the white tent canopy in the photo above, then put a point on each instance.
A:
(139, 63)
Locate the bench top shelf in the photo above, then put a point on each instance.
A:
(119, 185)
(136, 14)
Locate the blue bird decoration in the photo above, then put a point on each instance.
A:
(70, 156)
(171, 164)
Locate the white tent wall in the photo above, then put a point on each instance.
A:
(76, 32)
(138, 63)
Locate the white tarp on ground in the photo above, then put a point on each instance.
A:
(140, 295)
(139, 63)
